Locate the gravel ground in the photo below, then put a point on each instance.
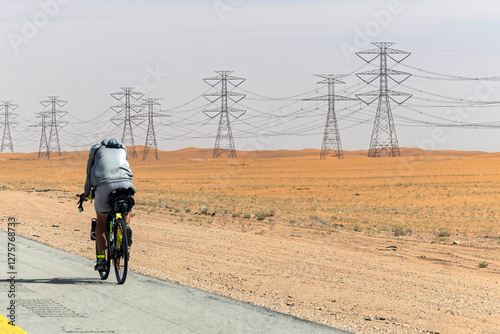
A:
(350, 280)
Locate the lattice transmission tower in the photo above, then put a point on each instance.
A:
(384, 138)
(8, 116)
(224, 143)
(151, 104)
(331, 137)
(43, 148)
(53, 144)
(126, 97)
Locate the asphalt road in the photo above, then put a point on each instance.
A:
(58, 292)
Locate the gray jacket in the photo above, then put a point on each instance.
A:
(107, 163)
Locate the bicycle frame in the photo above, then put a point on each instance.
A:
(112, 221)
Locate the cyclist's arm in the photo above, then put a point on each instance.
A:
(90, 163)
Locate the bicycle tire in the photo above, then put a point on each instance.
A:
(120, 253)
(104, 274)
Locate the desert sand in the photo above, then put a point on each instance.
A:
(400, 245)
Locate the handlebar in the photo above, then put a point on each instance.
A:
(83, 199)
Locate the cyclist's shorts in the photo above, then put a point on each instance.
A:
(102, 192)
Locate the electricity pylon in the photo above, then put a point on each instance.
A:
(384, 138)
(151, 103)
(224, 143)
(331, 137)
(53, 144)
(125, 97)
(7, 124)
(43, 148)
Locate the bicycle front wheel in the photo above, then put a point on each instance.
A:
(120, 251)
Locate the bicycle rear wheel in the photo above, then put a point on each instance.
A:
(120, 251)
(104, 274)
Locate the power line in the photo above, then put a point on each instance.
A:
(126, 107)
(7, 116)
(53, 144)
(448, 76)
(458, 100)
(150, 135)
(384, 138)
(43, 148)
(224, 143)
(90, 121)
(331, 136)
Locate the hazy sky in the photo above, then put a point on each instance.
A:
(84, 50)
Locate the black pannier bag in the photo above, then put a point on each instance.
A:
(121, 200)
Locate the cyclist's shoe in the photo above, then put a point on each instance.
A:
(101, 265)
(129, 234)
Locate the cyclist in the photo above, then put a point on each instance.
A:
(107, 170)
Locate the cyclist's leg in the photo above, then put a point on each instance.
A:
(127, 217)
(100, 230)
(101, 207)
(128, 184)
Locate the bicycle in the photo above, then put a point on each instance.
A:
(117, 246)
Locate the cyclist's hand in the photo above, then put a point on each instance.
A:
(80, 202)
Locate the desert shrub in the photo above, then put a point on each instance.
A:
(235, 215)
(399, 231)
(357, 228)
(319, 219)
(261, 217)
(483, 264)
(271, 212)
(247, 215)
(267, 212)
(323, 220)
(188, 210)
(443, 233)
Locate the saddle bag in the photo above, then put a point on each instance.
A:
(121, 200)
